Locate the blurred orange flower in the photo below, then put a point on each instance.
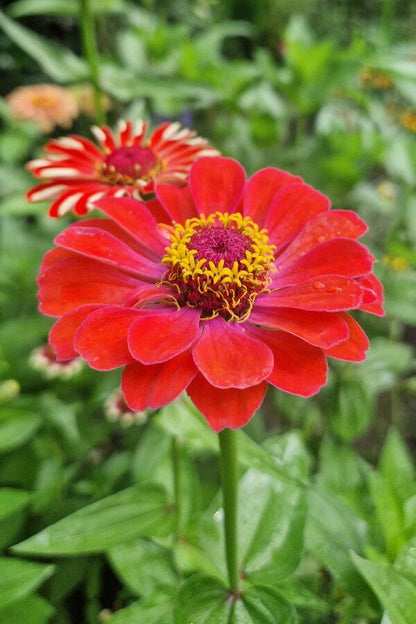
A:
(47, 105)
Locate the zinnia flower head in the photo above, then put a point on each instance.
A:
(47, 105)
(245, 284)
(78, 172)
(117, 410)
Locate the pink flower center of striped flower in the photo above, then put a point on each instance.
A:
(126, 164)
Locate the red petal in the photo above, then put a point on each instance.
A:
(216, 184)
(299, 368)
(323, 227)
(229, 358)
(328, 294)
(375, 287)
(353, 349)
(159, 336)
(156, 385)
(177, 201)
(135, 218)
(63, 331)
(75, 281)
(231, 408)
(158, 211)
(102, 337)
(322, 329)
(292, 207)
(260, 190)
(96, 243)
(339, 256)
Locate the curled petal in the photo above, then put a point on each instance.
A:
(158, 336)
(374, 302)
(62, 333)
(216, 184)
(353, 349)
(322, 329)
(158, 384)
(299, 368)
(102, 337)
(229, 408)
(260, 190)
(229, 358)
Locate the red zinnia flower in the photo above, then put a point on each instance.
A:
(248, 284)
(127, 164)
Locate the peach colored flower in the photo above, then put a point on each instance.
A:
(47, 105)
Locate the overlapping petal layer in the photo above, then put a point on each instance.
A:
(180, 322)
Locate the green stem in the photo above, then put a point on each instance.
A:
(89, 44)
(177, 484)
(229, 482)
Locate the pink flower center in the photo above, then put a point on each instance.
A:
(219, 264)
(220, 243)
(127, 164)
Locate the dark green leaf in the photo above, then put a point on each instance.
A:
(12, 500)
(19, 578)
(263, 605)
(57, 62)
(153, 609)
(121, 517)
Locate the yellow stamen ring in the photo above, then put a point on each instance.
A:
(227, 286)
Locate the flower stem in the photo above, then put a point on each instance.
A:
(229, 482)
(177, 485)
(89, 44)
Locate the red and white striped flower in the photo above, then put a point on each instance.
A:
(77, 171)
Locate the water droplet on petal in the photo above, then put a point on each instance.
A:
(318, 286)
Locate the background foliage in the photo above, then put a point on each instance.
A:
(88, 529)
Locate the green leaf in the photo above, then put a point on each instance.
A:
(16, 428)
(263, 605)
(351, 410)
(395, 592)
(204, 600)
(19, 578)
(396, 465)
(271, 522)
(153, 609)
(389, 512)
(121, 517)
(332, 530)
(33, 609)
(271, 517)
(21, 8)
(12, 500)
(201, 599)
(142, 565)
(56, 61)
(386, 362)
